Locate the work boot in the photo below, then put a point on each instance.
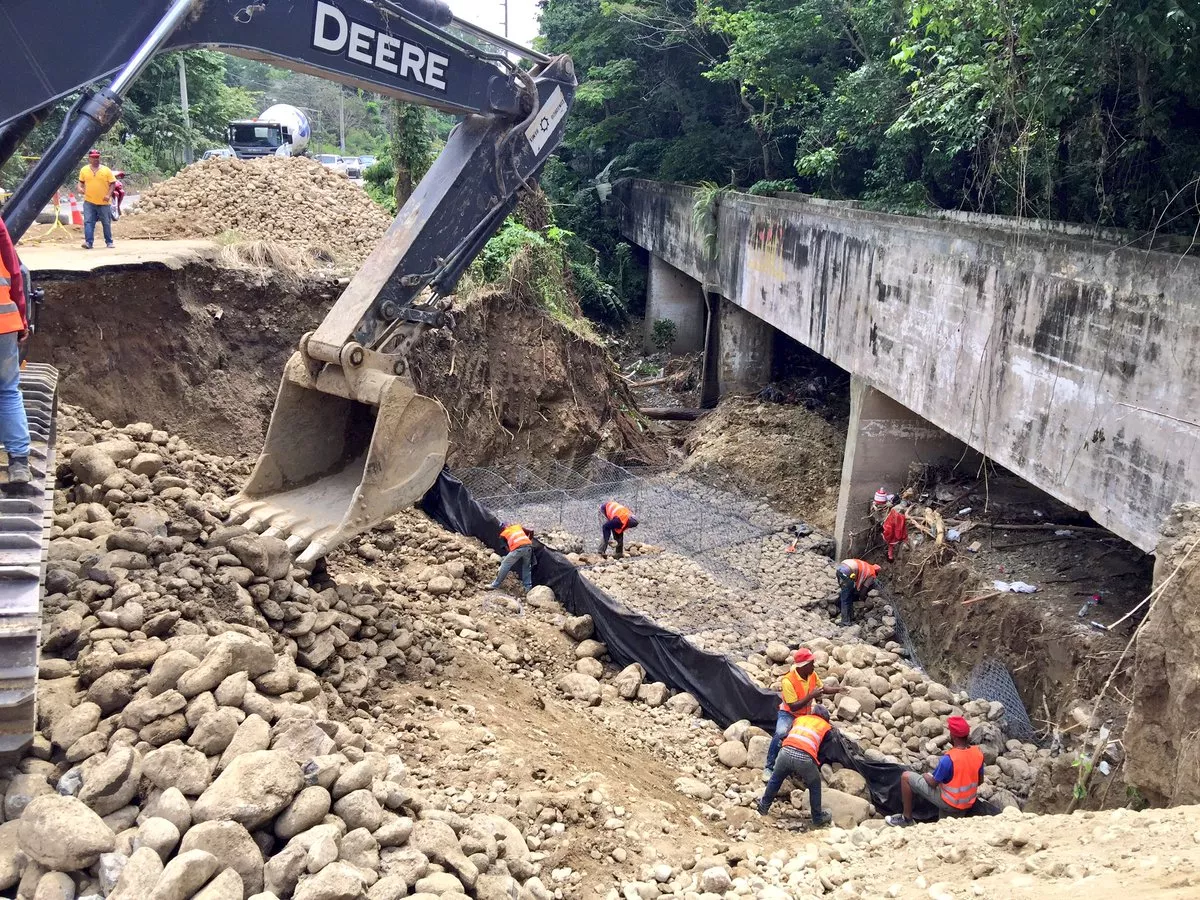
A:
(822, 820)
(898, 821)
(620, 554)
(86, 246)
(18, 470)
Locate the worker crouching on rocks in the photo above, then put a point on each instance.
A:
(855, 578)
(520, 552)
(798, 758)
(616, 520)
(954, 784)
(801, 688)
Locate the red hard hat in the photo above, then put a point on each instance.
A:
(802, 655)
(93, 153)
(958, 726)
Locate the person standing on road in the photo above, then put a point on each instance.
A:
(800, 758)
(616, 520)
(954, 784)
(520, 552)
(14, 329)
(96, 184)
(855, 578)
(801, 687)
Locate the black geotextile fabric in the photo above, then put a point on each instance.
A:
(724, 691)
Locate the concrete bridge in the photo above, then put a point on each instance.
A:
(1051, 349)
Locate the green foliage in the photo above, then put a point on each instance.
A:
(379, 181)
(411, 148)
(663, 334)
(704, 215)
(769, 186)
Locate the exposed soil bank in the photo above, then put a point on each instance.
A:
(201, 350)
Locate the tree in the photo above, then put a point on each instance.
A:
(411, 147)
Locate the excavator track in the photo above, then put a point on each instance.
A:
(26, 516)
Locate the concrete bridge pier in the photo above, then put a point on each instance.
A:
(884, 437)
(744, 350)
(679, 298)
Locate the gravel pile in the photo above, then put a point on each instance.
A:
(293, 201)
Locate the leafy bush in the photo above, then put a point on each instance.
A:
(663, 334)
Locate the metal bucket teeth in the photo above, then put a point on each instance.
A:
(26, 515)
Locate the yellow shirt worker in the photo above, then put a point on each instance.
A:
(95, 183)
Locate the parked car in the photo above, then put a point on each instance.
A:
(352, 167)
(219, 153)
(367, 161)
(333, 162)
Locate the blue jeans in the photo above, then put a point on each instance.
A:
(14, 426)
(783, 724)
(522, 556)
(92, 212)
(799, 765)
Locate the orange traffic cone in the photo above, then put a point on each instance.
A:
(76, 212)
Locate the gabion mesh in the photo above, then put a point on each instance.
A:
(990, 680)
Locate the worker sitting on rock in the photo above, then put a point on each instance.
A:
(616, 519)
(799, 758)
(855, 578)
(800, 689)
(520, 551)
(954, 783)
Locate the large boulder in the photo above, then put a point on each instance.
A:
(578, 686)
(252, 790)
(62, 834)
(233, 846)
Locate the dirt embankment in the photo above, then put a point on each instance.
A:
(1162, 738)
(201, 350)
(783, 453)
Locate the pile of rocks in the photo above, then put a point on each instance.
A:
(204, 723)
(289, 200)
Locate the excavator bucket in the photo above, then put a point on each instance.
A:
(342, 455)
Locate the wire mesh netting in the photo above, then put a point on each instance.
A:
(991, 680)
(676, 513)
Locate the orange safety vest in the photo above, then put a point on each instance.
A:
(806, 735)
(858, 570)
(959, 792)
(516, 537)
(10, 316)
(803, 687)
(614, 510)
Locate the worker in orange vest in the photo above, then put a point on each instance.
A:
(14, 329)
(855, 578)
(953, 786)
(801, 687)
(519, 541)
(616, 520)
(800, 758)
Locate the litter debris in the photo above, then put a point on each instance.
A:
(1064, 532)
(1016, 587)
(965, 511)
(953, 534)
(1090, 603)
(974, 546)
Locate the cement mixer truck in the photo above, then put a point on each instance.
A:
(280, 130)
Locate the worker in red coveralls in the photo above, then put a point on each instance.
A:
(14, 329)
(895, 529)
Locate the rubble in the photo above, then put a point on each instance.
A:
(286, 200)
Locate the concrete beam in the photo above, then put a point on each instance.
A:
(883, 439)
(679, 298)
(745, 348)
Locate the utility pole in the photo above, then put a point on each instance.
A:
(342, 118)
(187, 118)
(505, 4)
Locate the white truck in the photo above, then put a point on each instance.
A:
(280, 130)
